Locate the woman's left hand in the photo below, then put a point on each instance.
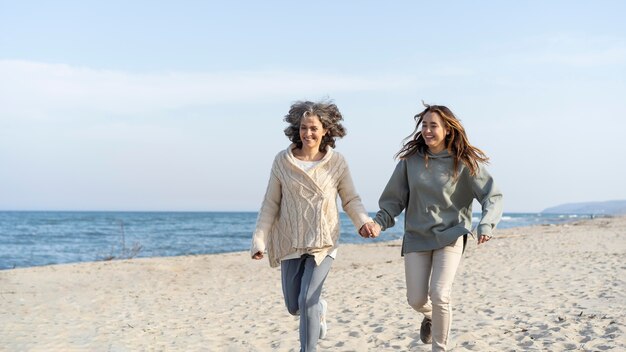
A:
(483, 238)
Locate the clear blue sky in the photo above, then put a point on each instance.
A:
(178, 105)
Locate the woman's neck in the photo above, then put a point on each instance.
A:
(436, 150)
(308, 154)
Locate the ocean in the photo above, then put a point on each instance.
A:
(35, 238)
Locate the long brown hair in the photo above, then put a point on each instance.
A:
(456, 141)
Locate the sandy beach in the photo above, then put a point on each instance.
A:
(543, 288)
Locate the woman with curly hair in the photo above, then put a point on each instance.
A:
(435, 182)
(298, 224)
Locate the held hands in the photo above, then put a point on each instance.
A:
(483, 239)
(258, 256)
(370, 230)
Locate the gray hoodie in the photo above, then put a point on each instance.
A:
(438, 207)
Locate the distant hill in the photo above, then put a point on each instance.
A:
(611, 207)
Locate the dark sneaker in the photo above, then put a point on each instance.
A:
(425, 334)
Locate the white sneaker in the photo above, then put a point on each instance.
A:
(323, 326)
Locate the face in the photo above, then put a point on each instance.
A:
(434, 132)
(311, 132)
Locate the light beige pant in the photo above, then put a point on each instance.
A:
(429, 277)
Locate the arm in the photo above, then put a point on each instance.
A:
(350, 200)
(394, 198)
(267, 215)
(490, 199)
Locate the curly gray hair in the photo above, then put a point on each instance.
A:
(329, 116)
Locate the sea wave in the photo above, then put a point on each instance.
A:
(42, 238)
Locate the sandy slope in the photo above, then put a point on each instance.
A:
(544, 288)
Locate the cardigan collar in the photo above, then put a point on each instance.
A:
(292, 158)
(310, 175)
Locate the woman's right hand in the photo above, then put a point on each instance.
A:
(258, 255)
(370, 230)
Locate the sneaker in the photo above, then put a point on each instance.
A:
(425, 334)
(323, 326)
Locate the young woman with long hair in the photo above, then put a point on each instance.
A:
(438, 176)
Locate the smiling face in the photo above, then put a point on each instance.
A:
(434, 132)
(311, 132)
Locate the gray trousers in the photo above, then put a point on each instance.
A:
(302, 287)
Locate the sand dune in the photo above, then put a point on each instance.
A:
(543, 288)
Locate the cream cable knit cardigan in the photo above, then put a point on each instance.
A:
(299, 212)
